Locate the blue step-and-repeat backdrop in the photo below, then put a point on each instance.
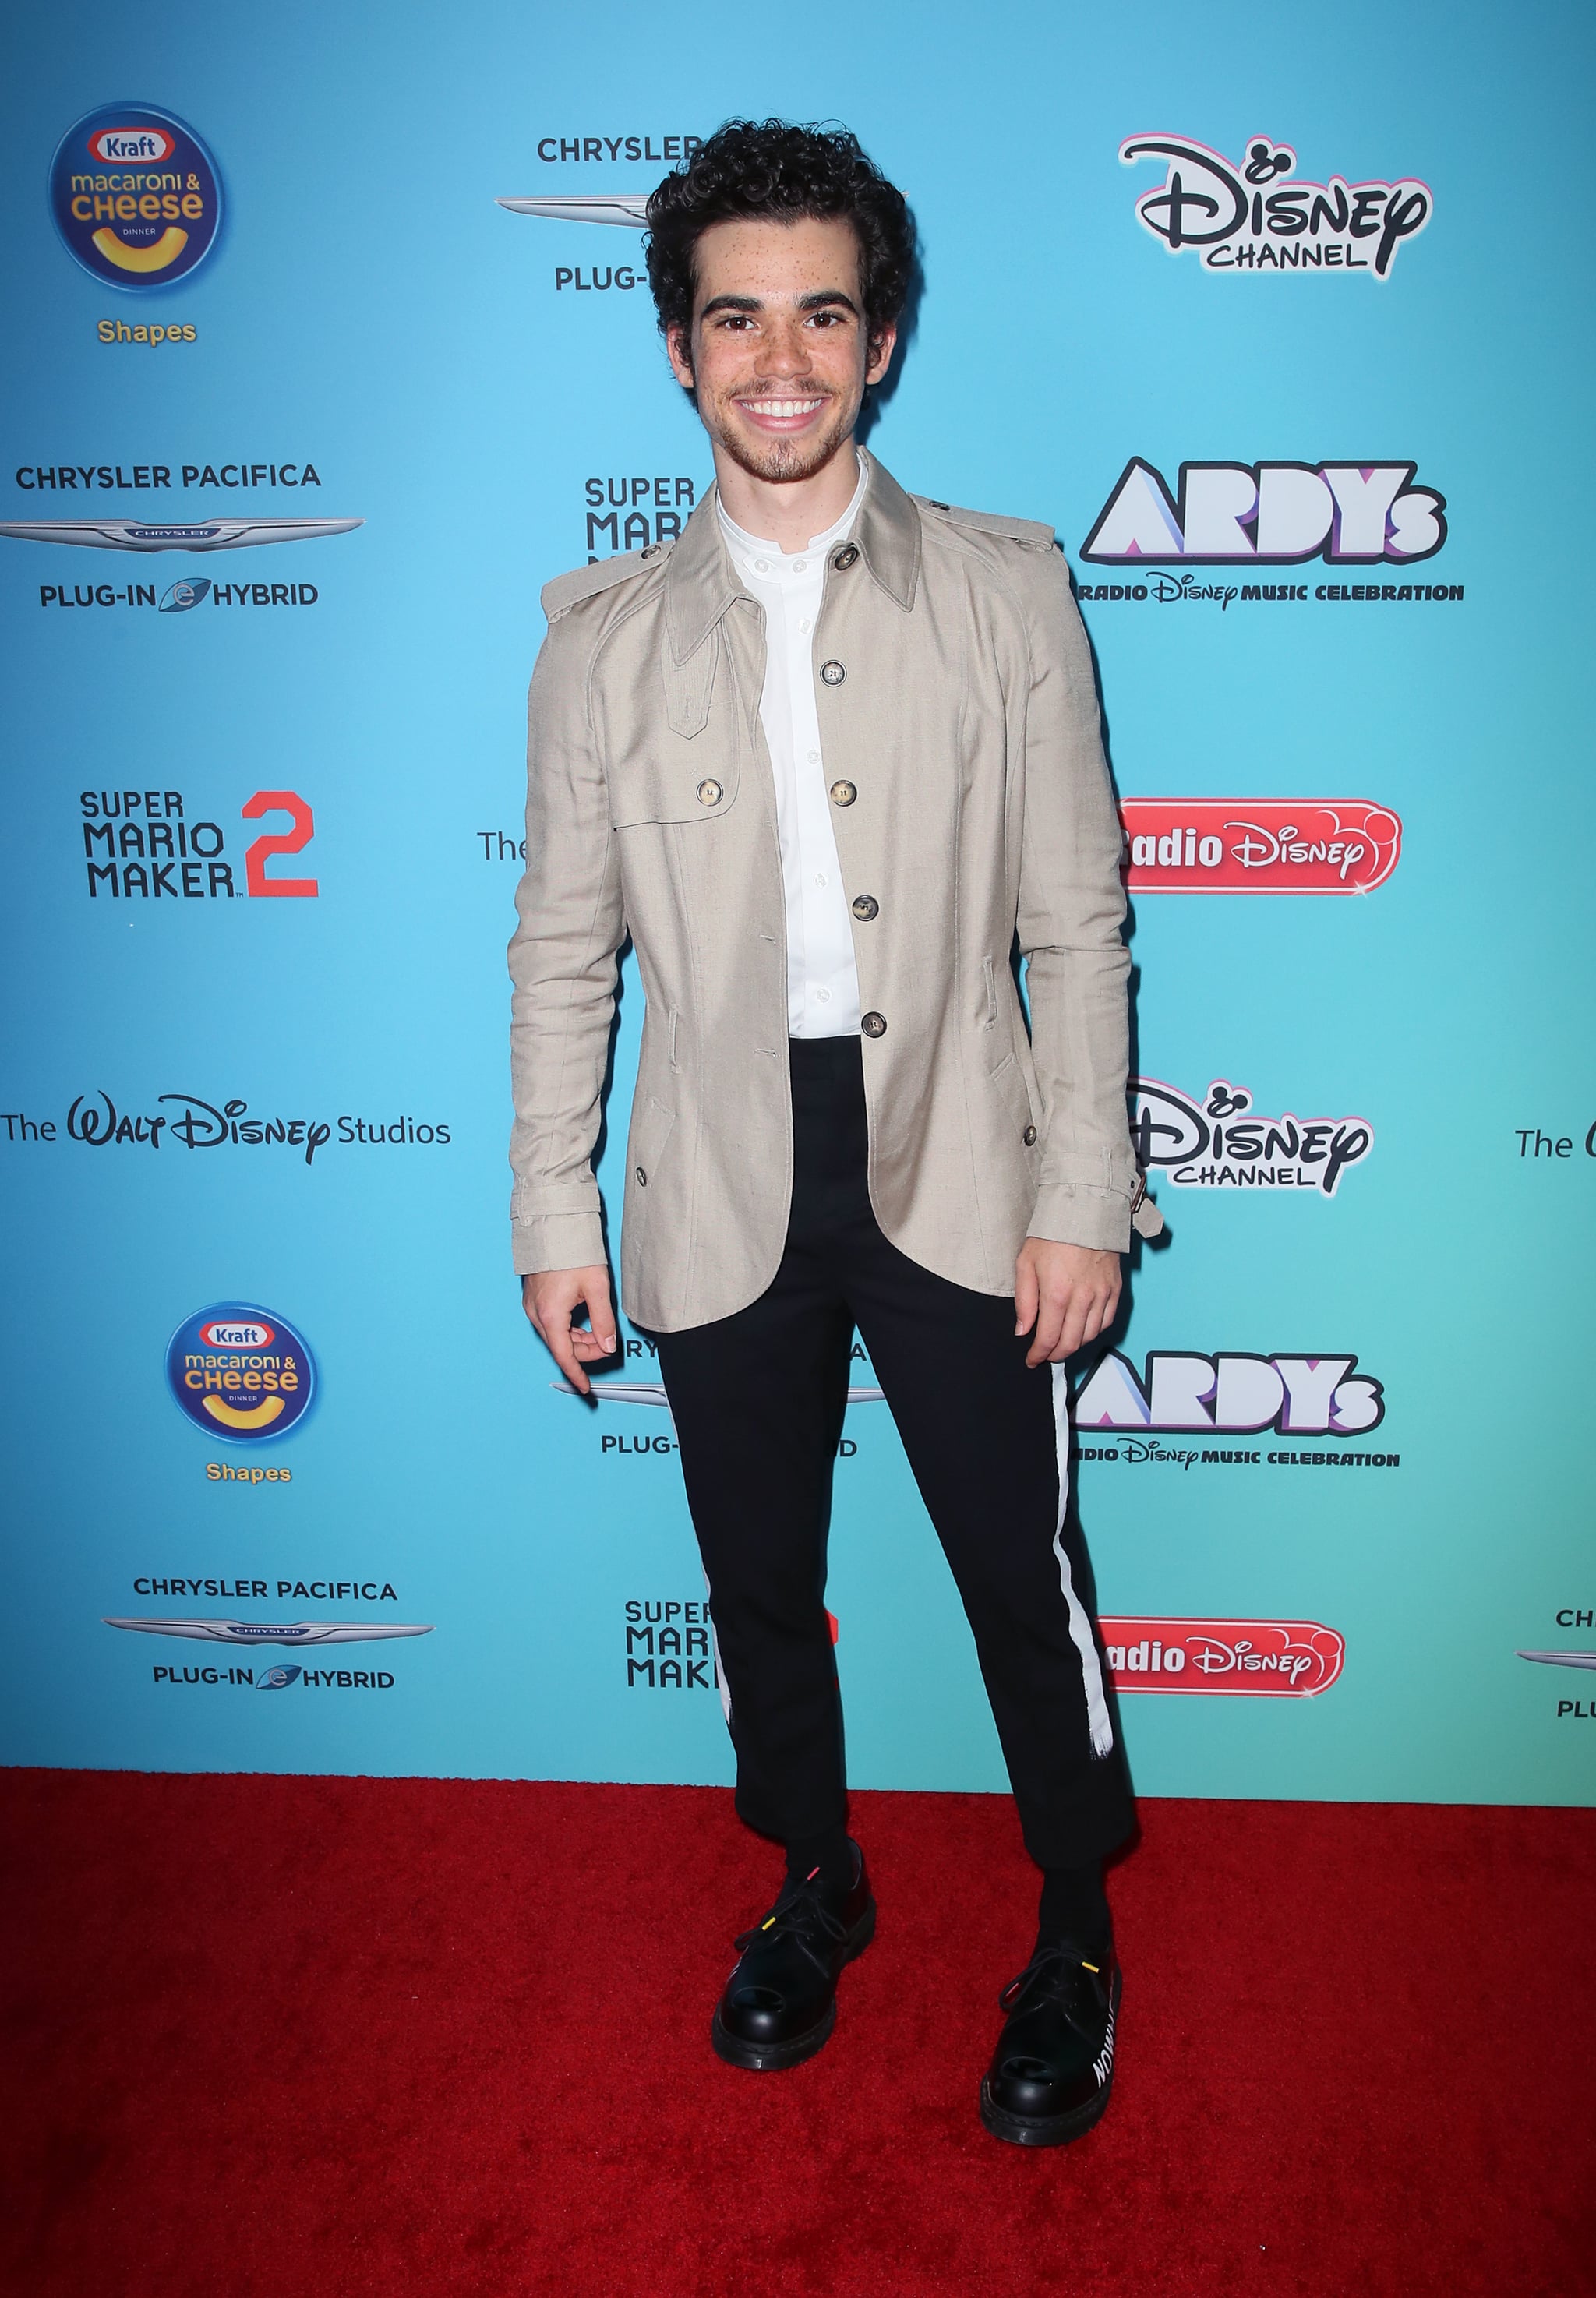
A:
(330, 343)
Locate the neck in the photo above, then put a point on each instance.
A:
(787, 512)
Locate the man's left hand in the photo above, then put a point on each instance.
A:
(1067, 1291)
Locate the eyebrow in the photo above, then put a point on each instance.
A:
(816, 300)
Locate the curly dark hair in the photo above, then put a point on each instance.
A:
(771, 168)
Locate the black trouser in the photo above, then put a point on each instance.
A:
(758, 1400)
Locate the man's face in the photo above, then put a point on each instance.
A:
(777, 353)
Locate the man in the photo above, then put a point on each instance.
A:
(830, 758)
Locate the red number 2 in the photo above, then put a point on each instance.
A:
(257, 856)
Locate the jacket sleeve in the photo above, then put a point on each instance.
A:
(562, 963)
(1071, 910)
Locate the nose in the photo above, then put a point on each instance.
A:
(785, 350)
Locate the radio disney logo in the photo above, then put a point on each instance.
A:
(1353, 512)
(1254, 1659)
(1241, 216)
(1258, 845)
(1221, 1142)
(1299, 1395)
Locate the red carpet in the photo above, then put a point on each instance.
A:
(340, 2037)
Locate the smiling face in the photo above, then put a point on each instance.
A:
(778, 354)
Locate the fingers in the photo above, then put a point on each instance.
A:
(552, 1299)
(600, 1312)
(1050, 1323)
(1025, 1295)
(1069, 1317)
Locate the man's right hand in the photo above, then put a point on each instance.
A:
(550, 1299)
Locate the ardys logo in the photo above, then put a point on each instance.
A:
(136, 196)
(240, 1372)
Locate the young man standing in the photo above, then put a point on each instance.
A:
(830, 758)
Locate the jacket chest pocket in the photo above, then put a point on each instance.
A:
(681, 765)
(665, 779)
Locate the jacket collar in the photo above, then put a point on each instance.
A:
(701, 582)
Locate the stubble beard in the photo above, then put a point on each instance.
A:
(780, 461)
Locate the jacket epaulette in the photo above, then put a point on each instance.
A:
(582, 581)
(1029, 531)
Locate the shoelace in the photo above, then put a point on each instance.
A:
(798, 1918)
(1053, 1975)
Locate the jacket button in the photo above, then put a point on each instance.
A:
(866, 905)
(849, 556)
(874, 1025)
(709, 793)
(643, 1178)
(843, 793)
(832, 672)
(1029, 1137)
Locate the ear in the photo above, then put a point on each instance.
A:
(678, 345)
(878, 353)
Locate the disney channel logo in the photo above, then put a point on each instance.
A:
(240, 1372)
(1218, 1140)
(136, 196)
(1255, 215)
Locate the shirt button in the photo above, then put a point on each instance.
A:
(824, 996)
(820, 877)
(849, 556)
(832, 672)
(843, 793)
(708, 793)
(814, 757)
(643, 1178)
(804, 627)
(866, 905)
(874, 1025)
(1029, 1137)
(800, 566)
(762, 567)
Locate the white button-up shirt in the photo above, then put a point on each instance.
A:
(822, 986)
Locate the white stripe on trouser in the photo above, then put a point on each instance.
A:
(720, 1673)
(1080, 1628)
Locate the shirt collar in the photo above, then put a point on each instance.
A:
(701, 582)
(746, 548)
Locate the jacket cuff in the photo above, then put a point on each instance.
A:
(557, 1241)
(1097, 1219)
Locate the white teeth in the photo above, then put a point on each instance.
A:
(782, 408)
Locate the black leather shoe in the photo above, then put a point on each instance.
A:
(1053, 2067)
(780, 2003)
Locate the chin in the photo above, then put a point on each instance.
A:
(779, 459)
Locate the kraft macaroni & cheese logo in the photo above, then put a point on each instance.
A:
(136, 196)
(240, 1372)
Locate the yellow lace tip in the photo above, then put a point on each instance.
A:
(1091, 1967)
(766, 1925)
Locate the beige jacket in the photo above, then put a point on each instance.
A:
(973, 816)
